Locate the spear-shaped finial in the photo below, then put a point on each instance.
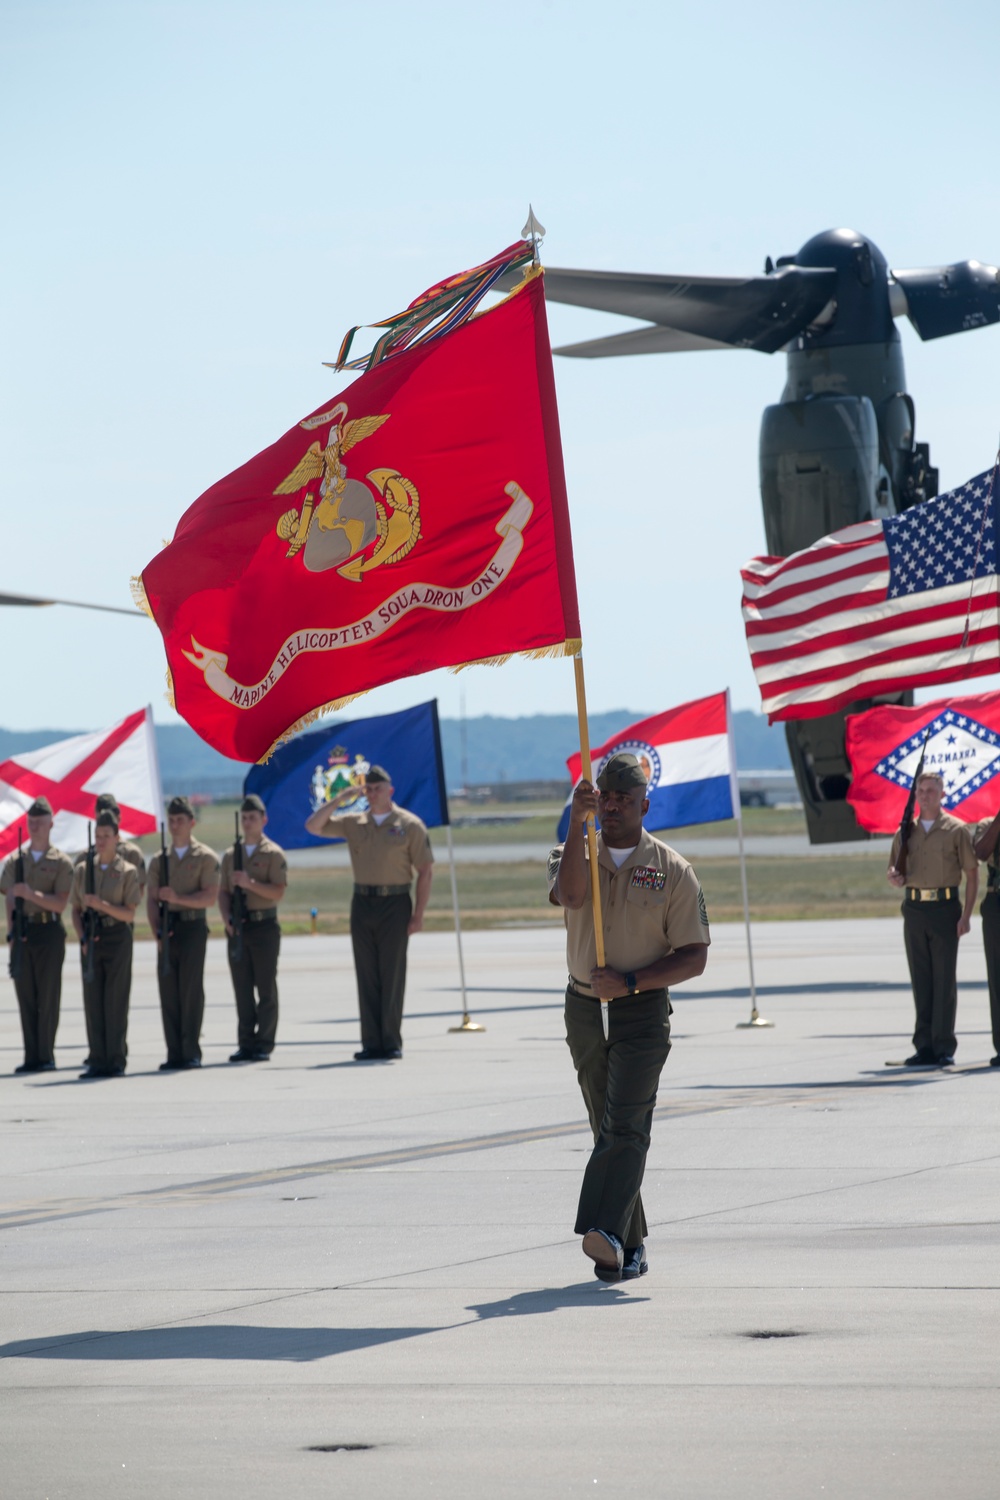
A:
(533, 231)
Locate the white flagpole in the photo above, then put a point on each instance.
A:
(756, 1020)
(467, 1022)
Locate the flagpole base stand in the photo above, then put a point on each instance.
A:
(756, 1020)
(468, 1024)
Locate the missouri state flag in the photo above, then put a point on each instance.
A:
(416, 520)
(688, 757)
(963, 746)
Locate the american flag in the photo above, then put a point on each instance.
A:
(879, 606)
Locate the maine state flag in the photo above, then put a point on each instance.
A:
(688, 758)
(312, 768)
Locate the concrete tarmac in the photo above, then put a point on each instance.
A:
(312, 1277)
(777, 846)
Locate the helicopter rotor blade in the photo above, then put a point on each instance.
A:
(755, 312)
(33, 601)
(651, 340)
(950, 299)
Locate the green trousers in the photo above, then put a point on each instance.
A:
(256, 969)
(105, 998)
(618, 1079)
(930, 931)
(990, 911)
(182, 988)
(39, 989)
(379, 935)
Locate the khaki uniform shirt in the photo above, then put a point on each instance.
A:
(51, 876)
(132, 854)
(386, 855)
(650, 907)
(976, 831)
(937, 858)
(117, 884)
(267, 863)
(197, 871)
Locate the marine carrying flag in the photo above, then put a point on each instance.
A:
(687, 755)
(73, 772)
(879, 606)
(311, 769)
(417, 521)
(963, 745)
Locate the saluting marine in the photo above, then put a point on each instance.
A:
(387, 845)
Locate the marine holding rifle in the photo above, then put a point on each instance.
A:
(929, 854)
(36, 883)
(183, 884)
(253, 881)
(105, 896)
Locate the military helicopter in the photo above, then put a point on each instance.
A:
(839, 447)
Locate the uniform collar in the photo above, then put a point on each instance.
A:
(391, 814)
(637, 857)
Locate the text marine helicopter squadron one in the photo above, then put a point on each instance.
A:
(839, 447)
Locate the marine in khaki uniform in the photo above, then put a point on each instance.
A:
(938, 850)
(129, 852)
(655, 934)
(44, 889)
(387, 845)
(106, 989)
(986, 842)
(188, 887)
(254, 937)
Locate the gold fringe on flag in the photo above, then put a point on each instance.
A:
(540, 653)
(139, 599)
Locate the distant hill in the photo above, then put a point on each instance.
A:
(533, 748)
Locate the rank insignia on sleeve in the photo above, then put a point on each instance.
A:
(647, 878)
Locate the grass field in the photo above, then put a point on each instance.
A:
(498, 894)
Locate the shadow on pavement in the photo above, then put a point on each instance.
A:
(551, 1299)
(215, 1341)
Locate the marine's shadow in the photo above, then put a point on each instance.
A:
(212, 1341)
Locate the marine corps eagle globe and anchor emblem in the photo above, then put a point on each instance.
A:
(336, 524)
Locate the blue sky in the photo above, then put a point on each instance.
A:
(200, 199)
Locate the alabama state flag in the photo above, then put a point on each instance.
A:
(416, 520)
(963, 745)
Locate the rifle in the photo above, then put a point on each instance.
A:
(906, 825)
(18, 935)
(89, 914)
(237, 911)
(164, 912)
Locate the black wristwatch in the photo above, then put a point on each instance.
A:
(631, 984)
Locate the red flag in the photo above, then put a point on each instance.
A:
(963, 745)
(417, 521)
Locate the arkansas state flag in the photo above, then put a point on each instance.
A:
(688, 758)
(72, 773)
(419, 520)
(963, 745)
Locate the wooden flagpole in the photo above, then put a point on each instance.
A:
(587, 772)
